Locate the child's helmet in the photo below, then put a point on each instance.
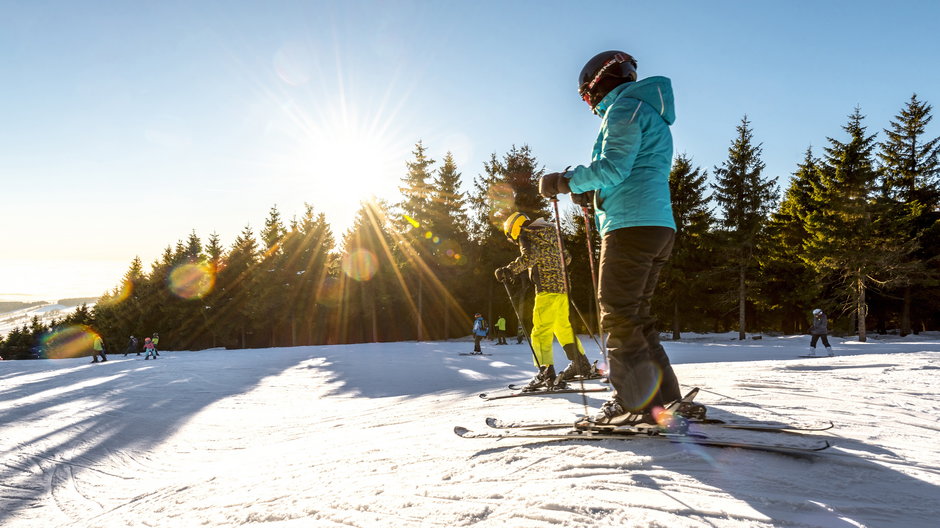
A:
(604, 72)
(514, 224)
(817, 311)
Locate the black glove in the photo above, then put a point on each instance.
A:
(503, 274)
(553, 184)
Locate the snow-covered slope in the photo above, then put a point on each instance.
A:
(362, 436)
(45, 313)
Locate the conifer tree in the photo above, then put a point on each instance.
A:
(507, 185)
(745, 198)
(375, 304)
(310, 268)
(788, 285)
(234, 313)
(415, 228)
(449, 246)
(273, 279)
(846, 223)
(684, 280)
(910, 169)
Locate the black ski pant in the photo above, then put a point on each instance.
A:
(815, 338)
(639, 370)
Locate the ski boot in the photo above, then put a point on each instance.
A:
(545, 379)
(579, 366)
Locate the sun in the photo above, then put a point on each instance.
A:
(347, 160)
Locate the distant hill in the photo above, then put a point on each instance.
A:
(77, 301)
(12, 306)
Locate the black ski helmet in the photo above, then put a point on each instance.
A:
(604, 72)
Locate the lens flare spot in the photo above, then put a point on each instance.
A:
(428, 235)
(191, 281)
(503, 204)
(360, 265)
(68, 341)
(652, 374)
(119, 295)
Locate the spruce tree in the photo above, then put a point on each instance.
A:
(273, 278)
(375, 304)
(310, 267)
(449, 244)
(850, 235)
(910, 169)
(415, 228)
(788, 285)
(685, 277)
(745, 198)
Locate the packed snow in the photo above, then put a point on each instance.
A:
(362, 436)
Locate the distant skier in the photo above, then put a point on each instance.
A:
(628, 182)
(156, 343)
(132, 347)
(538, 248)
(819, 329)
(98, 349)
(501, 331)
(150, 349)
(479, 332)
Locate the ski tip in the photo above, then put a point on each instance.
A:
(491, 422)
(460, 431)
(484, 395)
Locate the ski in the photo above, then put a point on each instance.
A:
(471, 354)
(602, 379)
(726, 424)
(541, 392)
(630, 433)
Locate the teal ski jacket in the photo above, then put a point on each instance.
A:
(632, 157)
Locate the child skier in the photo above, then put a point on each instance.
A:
(150, 349)
(538, 247)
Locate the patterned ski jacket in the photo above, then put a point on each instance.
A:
(538, 246)
(632, 157)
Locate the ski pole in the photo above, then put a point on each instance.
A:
(597, 300)
(525, 333)
(564, 272)
(564, 276)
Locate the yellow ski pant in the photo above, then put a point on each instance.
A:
(550, 319)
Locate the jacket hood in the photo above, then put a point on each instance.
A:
(654, 91)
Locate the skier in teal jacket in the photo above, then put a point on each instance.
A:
(628, 182)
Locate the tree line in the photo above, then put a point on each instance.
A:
(856, 232)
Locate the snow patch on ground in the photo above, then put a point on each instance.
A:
(362, 436)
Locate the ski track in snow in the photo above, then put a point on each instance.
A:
(361, 436)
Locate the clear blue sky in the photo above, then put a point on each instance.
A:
(128, 124)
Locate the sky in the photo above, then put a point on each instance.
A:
(129, 125)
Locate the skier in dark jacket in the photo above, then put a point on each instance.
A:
(819, 329)
(132, 347)
(629, 180)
